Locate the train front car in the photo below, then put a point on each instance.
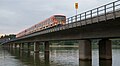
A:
(54, 20)
(59, 20)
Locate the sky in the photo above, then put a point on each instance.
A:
(17, 15)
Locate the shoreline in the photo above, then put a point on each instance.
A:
(64, 46)
(76, 46)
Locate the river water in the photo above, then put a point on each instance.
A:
(57, 57)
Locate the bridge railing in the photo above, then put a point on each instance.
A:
(102, 10)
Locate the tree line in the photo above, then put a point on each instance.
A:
(11, 36)
(5, 38)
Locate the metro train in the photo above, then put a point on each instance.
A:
(52, 21)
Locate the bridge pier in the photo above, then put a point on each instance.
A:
(19, 44)
(28, 46)
(6, 46)
(11, 46)
(46, 52)
(36, 47)
(85, 50)
(105, 50)
(15, 45)
(22, 46)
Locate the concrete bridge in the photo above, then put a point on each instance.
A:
(99, 23)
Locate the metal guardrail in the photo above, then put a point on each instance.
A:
(111, 7)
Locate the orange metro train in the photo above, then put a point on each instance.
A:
(54, 20)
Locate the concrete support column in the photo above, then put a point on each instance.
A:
(15, 45)
(11, 46)
(36, 47)
(28, 46)
(19, 46)
(47, 46)
(5, 46)
(46, 53)
(22, 46)
(8, 46)
(85, 52)
(105, 50)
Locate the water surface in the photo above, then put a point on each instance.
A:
(57, 57)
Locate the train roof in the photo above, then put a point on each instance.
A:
(58, 15)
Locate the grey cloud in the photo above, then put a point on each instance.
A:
(16, 15)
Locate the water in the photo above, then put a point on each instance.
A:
(57, 57)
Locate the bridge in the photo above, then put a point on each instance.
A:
(100, 23)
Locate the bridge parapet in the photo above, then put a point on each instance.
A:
(104, 10)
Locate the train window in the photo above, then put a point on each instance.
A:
(59, 18)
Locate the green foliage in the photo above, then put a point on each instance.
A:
(7, 38)
(11, 36)
(116, 42)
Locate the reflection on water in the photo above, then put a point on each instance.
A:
(56, 57)
(105, 63)
(85, 63)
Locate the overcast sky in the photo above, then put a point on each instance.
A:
(16, 15)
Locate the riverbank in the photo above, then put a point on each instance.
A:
(113, 46)
(64, 46)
